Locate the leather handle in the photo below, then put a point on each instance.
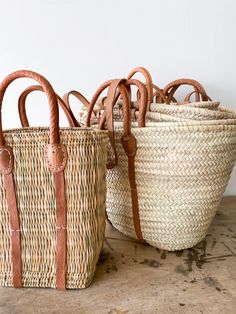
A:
(172, 87)
(22, 107)
(189, 95)
(108, 116)
(148, 80)
(77, 95)
(128, 139)
(93, 102)
(158, 94)
(81, 98)
(54, 112)
(142, 104)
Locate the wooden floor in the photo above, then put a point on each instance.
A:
(136, 278)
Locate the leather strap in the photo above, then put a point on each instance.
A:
(128, 140)
(148, 78)
(110, 164)
(78, 95)
(56, 159)
(171, 88)
(52, 99)
(61, 250)
(189, 95)
(82, 99)
(22, 107)
(6, 167)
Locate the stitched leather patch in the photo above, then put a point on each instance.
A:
(6, 159)
(129, 144)
(56, 157)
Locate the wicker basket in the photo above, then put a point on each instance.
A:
(52, 217)
(181, 171)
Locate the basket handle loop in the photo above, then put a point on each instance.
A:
(148, 79)
(54, 112)
(128, 139)
(22, 107)
(172, 87)
(104, 117)
(189, 95)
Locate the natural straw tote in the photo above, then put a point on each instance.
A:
(170, 176)
(52, 187)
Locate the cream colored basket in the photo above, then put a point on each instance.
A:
(181, 171)
(52, 216)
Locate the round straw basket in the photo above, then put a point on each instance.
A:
(181, 174)
(182, 168)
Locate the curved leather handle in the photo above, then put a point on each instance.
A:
(54, 111)
(81, 98)
(158, 94)
(22, 107)
(77, 95)
(171, 88)
(95, 98)
(128, 140)
(148, 80)
(143, 102)
(108, 116)
(93, 102)
(189, 95)
(110, 103)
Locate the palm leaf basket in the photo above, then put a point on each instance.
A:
(52, 206)
(182, 163)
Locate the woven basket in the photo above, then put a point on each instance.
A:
(181, 171)
(53, 236)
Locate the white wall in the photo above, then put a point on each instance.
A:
(80, 43)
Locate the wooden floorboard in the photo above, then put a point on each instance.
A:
(137, 278)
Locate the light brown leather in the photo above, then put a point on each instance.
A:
(122, 87)
(158, 95)
(189, 95)
(61, 248)
(56, 157)
(78, 95)
(6, 159)
(83, 100)
(6, 167)
(171, 88)
(56, 164)
(52, 99)
(22, 107)
(128, 141)
(110, 164)
(148, 79)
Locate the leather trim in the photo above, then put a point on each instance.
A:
(130, 147)
(6, 165)
(56, 157)
(61, 246)
(6, 159)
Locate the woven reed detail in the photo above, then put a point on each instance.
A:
(85, 192)
(182, 170)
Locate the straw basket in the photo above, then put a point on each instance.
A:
(170, 176)
(52, 187)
